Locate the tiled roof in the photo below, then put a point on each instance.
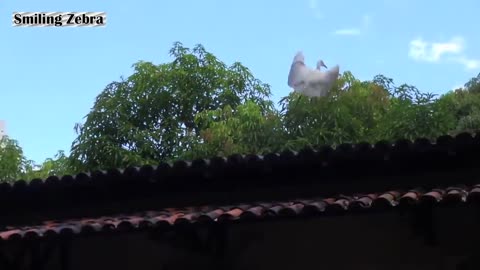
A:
(250, 171)
(399, 152)
(244, 180)
(169, 217)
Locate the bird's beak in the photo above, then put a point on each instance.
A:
(325, 66)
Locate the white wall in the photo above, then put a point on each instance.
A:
(3, 128)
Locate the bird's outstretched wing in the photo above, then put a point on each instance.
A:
(298, 72)
(317, 76)
(319, 83)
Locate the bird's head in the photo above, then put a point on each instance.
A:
(321, 64)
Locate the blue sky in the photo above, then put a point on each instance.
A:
(51, 76)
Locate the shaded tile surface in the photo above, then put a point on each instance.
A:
(169, 217)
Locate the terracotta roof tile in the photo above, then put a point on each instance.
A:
(169, 217)
(276, 178)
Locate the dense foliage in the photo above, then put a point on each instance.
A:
(14, 165)
(12, 161)
(197, 106)
(150, 116)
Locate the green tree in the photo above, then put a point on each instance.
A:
(412, 114)
(12, 160)
(350, 113)
(196, 106)
(365, 111)
(464, 107)
(473, 85)
(15, 166)
(150, 116)
(59, 165)
(247, 130)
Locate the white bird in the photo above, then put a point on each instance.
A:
(311, 82)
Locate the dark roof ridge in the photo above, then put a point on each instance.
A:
(181, 166)
(346, 167)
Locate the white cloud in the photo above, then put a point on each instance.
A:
(435, 52)
(421, 50)
(470, 64)
(348, 32)
(355, 31)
